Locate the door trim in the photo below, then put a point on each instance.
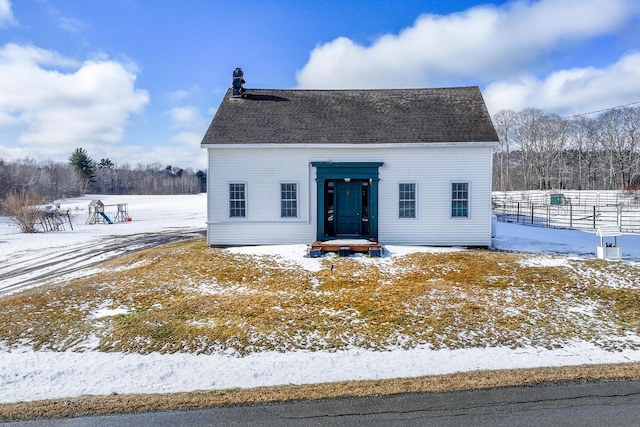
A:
(349, 170)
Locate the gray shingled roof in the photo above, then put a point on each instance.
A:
(266, 116)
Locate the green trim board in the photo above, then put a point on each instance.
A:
(353, 170)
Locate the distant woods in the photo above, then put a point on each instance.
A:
(539, 151)
(536, 151)
(81, 175)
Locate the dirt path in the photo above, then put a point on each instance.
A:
(33, 269)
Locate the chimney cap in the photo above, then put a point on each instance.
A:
(237, 83)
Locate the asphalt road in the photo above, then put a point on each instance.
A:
(584, 405)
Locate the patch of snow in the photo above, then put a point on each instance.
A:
(544, 261)
(31, 375)
(106, 312)
(295, 254)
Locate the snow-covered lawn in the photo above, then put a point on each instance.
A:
(26, 374)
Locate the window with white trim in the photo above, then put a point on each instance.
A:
(407, 200)
(288, 200)
(237, 200)
(459, 199)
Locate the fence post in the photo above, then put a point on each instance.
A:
(570, 216)
(532, 213)
(594, 215)
(620, 219)
(518, 216)
(620, 206)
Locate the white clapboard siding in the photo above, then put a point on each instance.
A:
(433, 224)
(432, 167)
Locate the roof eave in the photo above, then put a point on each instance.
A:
(360, 145)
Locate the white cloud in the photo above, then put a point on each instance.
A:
(573, 91)
(6, 14)
(56, 104)
(13, 153)
(13, 54)
(180, 151)
(187, 117)
(181, 95)
(188, 126)
(480, 44)
(71, 25)
(185, 149)
(183, 146)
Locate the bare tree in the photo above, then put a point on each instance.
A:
(59, 180)
(587, 149)
(106, 177)
(554, 137)
(6, 179)
(538, 150)
(617, 131)
(24, 209)
(504, 122)
(632, 129)
(527, 137)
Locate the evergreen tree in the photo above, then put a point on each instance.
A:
(106, 164)
(84, 166)
(202, 177)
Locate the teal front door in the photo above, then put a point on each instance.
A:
(348, 209)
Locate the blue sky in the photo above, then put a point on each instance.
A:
(138, 81)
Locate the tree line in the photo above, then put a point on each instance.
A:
(536, 151)
(539, 150)
(81, 175)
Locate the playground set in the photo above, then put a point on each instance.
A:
(53, 219)
(99, 213)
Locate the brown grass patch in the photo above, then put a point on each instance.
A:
(187, 297)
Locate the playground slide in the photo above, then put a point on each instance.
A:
(106, 218)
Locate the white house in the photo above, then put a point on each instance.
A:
(401, 166)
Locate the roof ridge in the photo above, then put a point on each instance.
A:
(368, 89)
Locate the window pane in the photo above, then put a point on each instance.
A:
(460, 199)
(407, 201)
(366, 228)
(289, 200)
(328, 208)
(237, 200)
